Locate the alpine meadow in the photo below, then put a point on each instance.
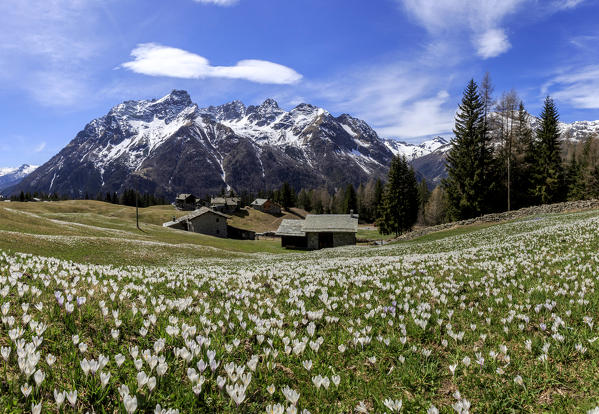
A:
(299, 207)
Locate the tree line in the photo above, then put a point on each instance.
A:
(498, 162)
(501, 159)
(126, 198)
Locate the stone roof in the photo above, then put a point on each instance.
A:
(335, 223)
(194, 214)
(229, 201)
(184, 196)
(291, 228)
(319, 223)
(259, 201)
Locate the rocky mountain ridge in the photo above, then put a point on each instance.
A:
(12, 176)
(170, 145)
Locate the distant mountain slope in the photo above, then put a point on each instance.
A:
(169, 145)
(12, 176)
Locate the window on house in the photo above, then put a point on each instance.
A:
(217, 219)
(217, 231)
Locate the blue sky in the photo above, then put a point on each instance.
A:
(400, 65)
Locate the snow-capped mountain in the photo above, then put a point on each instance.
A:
(12, 176)
(579, 130)
(413, 151)
(169, 145)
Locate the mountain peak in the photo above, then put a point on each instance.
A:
(270, 103)
(177, 96)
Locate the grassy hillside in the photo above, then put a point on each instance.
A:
(251, 219)
(489, 319)
(102, 233)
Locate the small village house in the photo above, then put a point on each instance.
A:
(266, 206)
(227, 205)
(292, 235)
(319, 231)
(186, 202)
(204, 221)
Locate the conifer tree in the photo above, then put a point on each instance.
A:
(378, 198)
(350, 200)
(470, 166)
(399, 209)
(523, 158)
(547, 170)
(286, 196)
(575, 180)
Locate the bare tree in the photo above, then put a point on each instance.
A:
(486, 93)
(507, 108)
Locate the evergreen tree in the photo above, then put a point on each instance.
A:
(470, 166)
(350, 200)
(399, 209)
(286, 196)
(521, 170)
(378, 198)
(423, 195)
(547, 171)
(303, 200)
(575, 180)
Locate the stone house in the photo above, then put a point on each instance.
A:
(292, 235)
(266, 206)
(204, 221)
(319, 231)
(225, 204)
(186, 202)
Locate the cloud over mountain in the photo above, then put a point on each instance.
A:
(157, 60)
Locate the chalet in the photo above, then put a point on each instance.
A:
(292, 235)
(186, 202)
(225, 204)
(266, 206)
(319, 231)
(203, 220)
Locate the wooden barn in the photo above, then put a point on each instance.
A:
(204, 221)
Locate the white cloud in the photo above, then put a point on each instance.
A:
(46, 47)
(399, 100)
(157, 60)
(566, 4)
(218, 2)
(492, 43)
(482, 19)
(578, 87)
(40, 147)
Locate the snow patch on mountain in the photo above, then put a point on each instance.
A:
(413, 151)
(11, 176)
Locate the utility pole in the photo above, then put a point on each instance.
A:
(136, 211)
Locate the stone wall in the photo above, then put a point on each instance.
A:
(344, 239)
(210, 224)
(312, 241)
(506, 216)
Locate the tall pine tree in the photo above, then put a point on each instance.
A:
(350, 200)
(399, 209)
(547, 169)
(470, 165)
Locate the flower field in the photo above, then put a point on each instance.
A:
(502, 319)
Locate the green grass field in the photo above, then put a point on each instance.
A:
(101, 233)
(487, 319)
